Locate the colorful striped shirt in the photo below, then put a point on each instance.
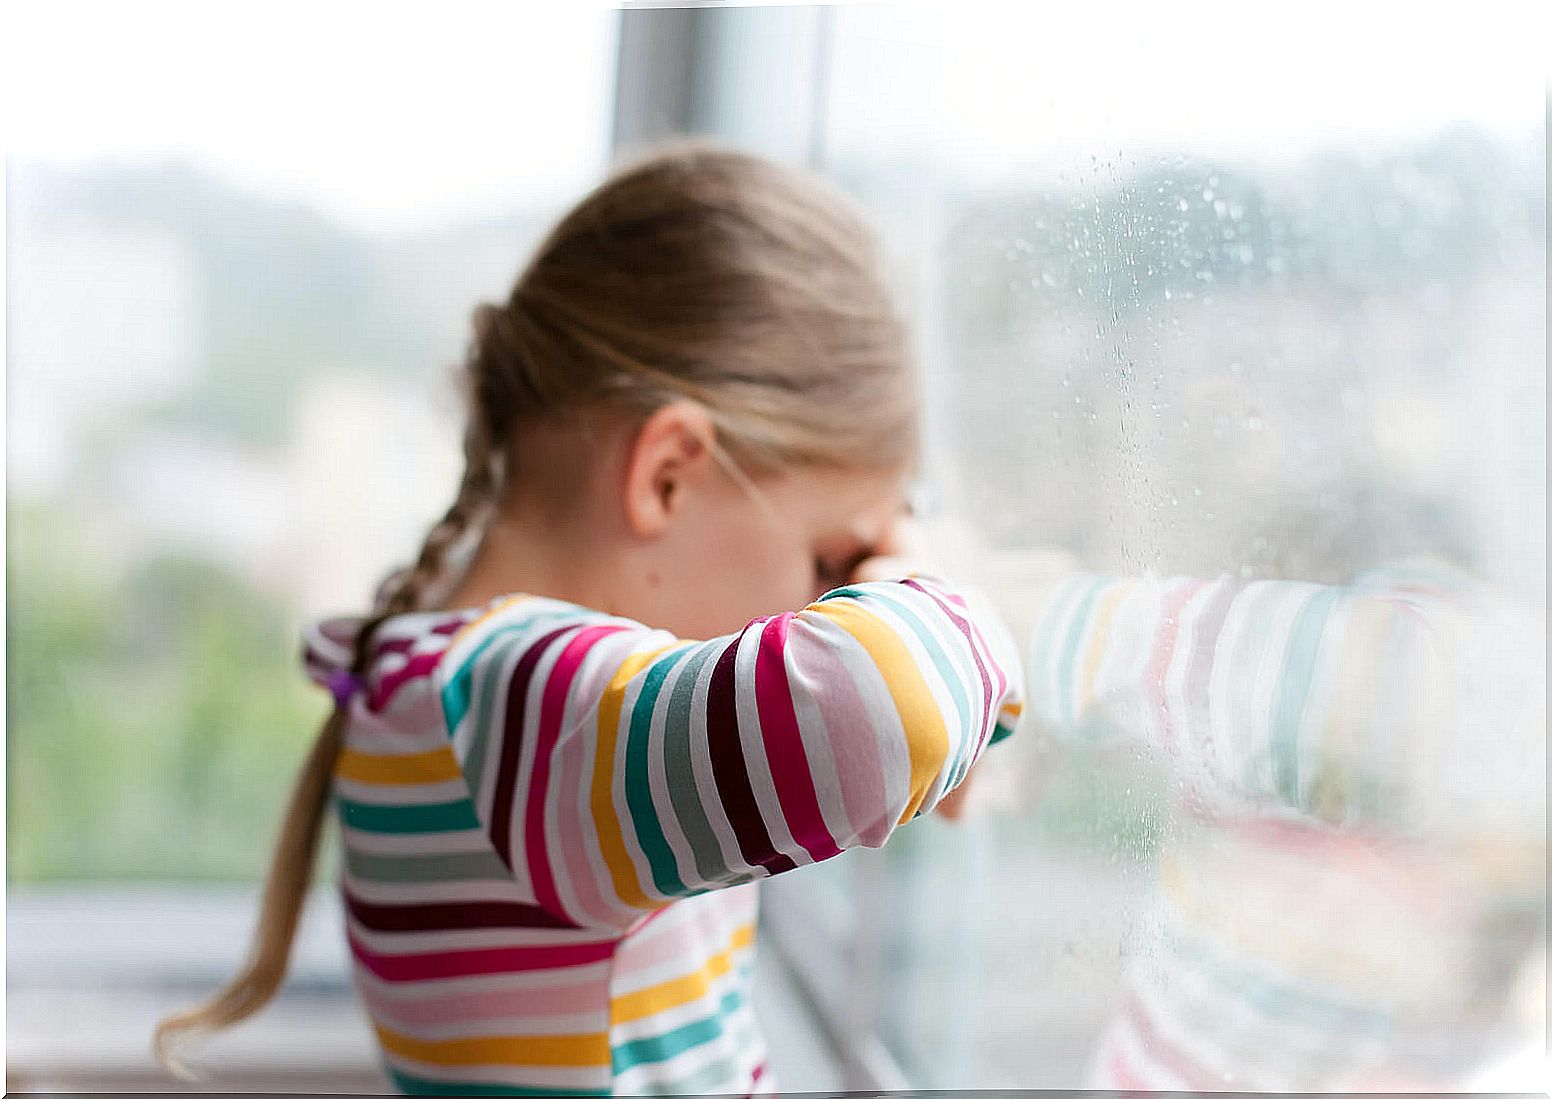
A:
(553, 819)
(1362, 825)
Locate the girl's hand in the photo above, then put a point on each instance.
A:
(901, 552)
(887, 567)
(953, 805)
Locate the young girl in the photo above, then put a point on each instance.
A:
(693, 414)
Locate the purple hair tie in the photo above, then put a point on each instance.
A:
(343, 685)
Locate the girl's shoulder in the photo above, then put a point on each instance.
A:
(416, 644)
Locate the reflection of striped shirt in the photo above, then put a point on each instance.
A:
(553, 819)
(1363, 818)
(1403, 700)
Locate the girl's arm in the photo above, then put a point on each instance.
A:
(617, 767)
(1405, 698)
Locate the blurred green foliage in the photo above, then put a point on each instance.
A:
(154, 722)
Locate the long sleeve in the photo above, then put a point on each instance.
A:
(1411, 697)
(617, 767)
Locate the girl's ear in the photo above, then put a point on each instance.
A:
(671, 450)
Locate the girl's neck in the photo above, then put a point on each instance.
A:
(514, 556)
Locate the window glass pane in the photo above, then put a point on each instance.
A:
(1253, 315)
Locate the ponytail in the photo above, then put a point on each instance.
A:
(296, 852)
(285, 891)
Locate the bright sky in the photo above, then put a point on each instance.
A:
(382, 117)
(1065, 81)
(388, 120)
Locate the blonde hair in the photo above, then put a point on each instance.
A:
(693, 272)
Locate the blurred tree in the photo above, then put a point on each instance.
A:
(154, 725)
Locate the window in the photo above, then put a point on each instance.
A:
(1204, 294)
(1198, 295)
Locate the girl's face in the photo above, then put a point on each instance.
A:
(716, 556)
(647, 521)
(825, 524)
